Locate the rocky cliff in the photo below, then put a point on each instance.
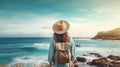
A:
(109, 35)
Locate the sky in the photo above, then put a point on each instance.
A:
(34, 18)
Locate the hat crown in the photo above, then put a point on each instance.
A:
(61, 27)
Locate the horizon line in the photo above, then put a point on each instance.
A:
(37, 37)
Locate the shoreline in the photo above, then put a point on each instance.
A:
(82, 61)
(2, 65)
(83, 48)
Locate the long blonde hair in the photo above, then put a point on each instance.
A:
(61, 37)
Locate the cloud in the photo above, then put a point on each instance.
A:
(90, 27)
(42, 26)
(105, 14)
(84, 28)
(30, 24)
(46, 27)
(35, 26)
(100, 10)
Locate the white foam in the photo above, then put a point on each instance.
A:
(83, 39)
(84, 65)
(103, 51)
(45, 46)
(30, 59)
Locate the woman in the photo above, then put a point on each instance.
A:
(60, 29)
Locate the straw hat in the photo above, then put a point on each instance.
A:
(61, 27)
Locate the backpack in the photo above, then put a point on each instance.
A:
(62, 53)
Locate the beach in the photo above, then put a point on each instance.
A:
(4, 66)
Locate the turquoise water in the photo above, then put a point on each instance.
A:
(35, 50)
(104, 47)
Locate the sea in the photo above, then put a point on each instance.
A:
(28, 50)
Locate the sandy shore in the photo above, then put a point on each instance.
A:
(79, 65)
(4, 66)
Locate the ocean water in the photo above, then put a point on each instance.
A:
(35, 50)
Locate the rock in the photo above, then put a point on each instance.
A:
(85, 55)
(26, 58)
(96, 54)
(101, 62)
(75, 65)
(108, 35)
(78, 46)
(113, 57)
(81, 59)
(114, 64)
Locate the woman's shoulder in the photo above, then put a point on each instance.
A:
(71, 38)
(52, 40)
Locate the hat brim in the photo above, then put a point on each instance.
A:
(61, 31)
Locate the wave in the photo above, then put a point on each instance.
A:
(103, 51)
(44, 46)
(30, 60)
(19, 50)
(37, 47)
(83, 39)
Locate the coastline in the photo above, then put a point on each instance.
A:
(108, 35)
(87, 60)
(36, 46)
